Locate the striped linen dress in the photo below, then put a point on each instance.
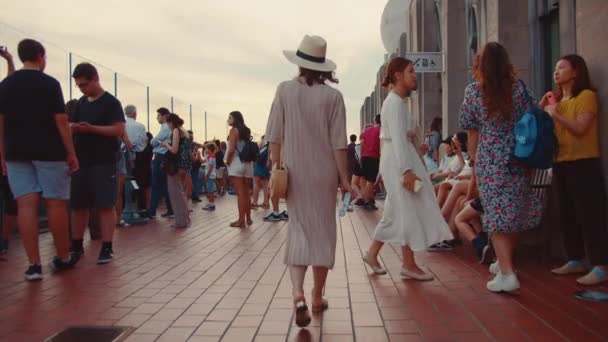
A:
(310, 124)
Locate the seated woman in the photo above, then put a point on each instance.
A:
(444, 188)
(453, 162)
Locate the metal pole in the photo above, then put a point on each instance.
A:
(206, 126)
(116, 84)
(70, 73)
(422, 115)
(171, 104)
(191, 117)
(148, 105)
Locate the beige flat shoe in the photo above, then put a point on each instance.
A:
(376, 268)
(595, 277)
(407, 274)
(571, 267)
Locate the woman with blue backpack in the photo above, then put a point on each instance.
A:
(491, 108)
(577, 172)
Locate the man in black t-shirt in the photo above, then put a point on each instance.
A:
(98, 125)
(37, 154)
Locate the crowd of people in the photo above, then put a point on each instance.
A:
(77, 158)
(437, 192)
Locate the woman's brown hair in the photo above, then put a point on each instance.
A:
(496, 76)
(318, 77)
(397, 64)
(582, 81)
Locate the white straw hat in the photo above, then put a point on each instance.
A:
(311, 55)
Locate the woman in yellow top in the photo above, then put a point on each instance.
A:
(577, 173)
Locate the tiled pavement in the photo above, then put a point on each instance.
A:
(211, 283)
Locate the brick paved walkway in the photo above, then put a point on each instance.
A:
(211, 283)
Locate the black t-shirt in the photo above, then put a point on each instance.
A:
(93, 149)
(29, 101)
(219, 158)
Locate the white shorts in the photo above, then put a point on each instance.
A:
(240, 169)
(220, 172)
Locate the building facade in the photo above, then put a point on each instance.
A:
(535, 32)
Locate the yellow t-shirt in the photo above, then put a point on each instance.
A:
(572, 147)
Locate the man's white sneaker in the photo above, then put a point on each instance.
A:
(503, 283)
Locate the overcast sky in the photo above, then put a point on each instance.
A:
(218, 55)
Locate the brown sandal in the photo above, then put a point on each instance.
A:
(238, 224)
(249, 222)
(320, 307)
(301, 311)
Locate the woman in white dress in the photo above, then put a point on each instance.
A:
(411, 214)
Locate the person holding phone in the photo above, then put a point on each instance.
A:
(411, 215)
(9, 60)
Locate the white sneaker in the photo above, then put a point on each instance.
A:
(494, 268)
(503, 283)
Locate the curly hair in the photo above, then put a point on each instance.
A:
(496, 76)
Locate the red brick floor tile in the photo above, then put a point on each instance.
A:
(370, 334)
(176, 335)
(278, 315)
(148, 308)
(405, 338)
(401, 327)
(196, 338)
(274, 328)
(188, 321)
(167, 315)
(211, 282)
(153, 327)
(337, 315)
(225, 315)
(252, 309)
(161, 298)
(366, 315)
(270, 338)
(338, 338)
(141, 338)
(239, 334)
(472, 337)
(337, 327)
(247, 321)
(212, 328)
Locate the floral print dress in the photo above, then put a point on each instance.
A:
(510, 206)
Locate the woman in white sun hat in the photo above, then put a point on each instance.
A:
(308, 122)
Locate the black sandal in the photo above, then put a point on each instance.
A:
(301, 311)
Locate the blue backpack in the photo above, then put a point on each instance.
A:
(535, 140)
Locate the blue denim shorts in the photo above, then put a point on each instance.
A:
(211, 185)
(50, 178)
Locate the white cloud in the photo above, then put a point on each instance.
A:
(218, 55)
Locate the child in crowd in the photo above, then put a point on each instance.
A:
(468, 222)
(210, 176)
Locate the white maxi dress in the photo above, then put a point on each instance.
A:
(410, 219)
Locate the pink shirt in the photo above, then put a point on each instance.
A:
(371, 143)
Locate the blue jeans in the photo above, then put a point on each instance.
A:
(194, 173)
(159, 185)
